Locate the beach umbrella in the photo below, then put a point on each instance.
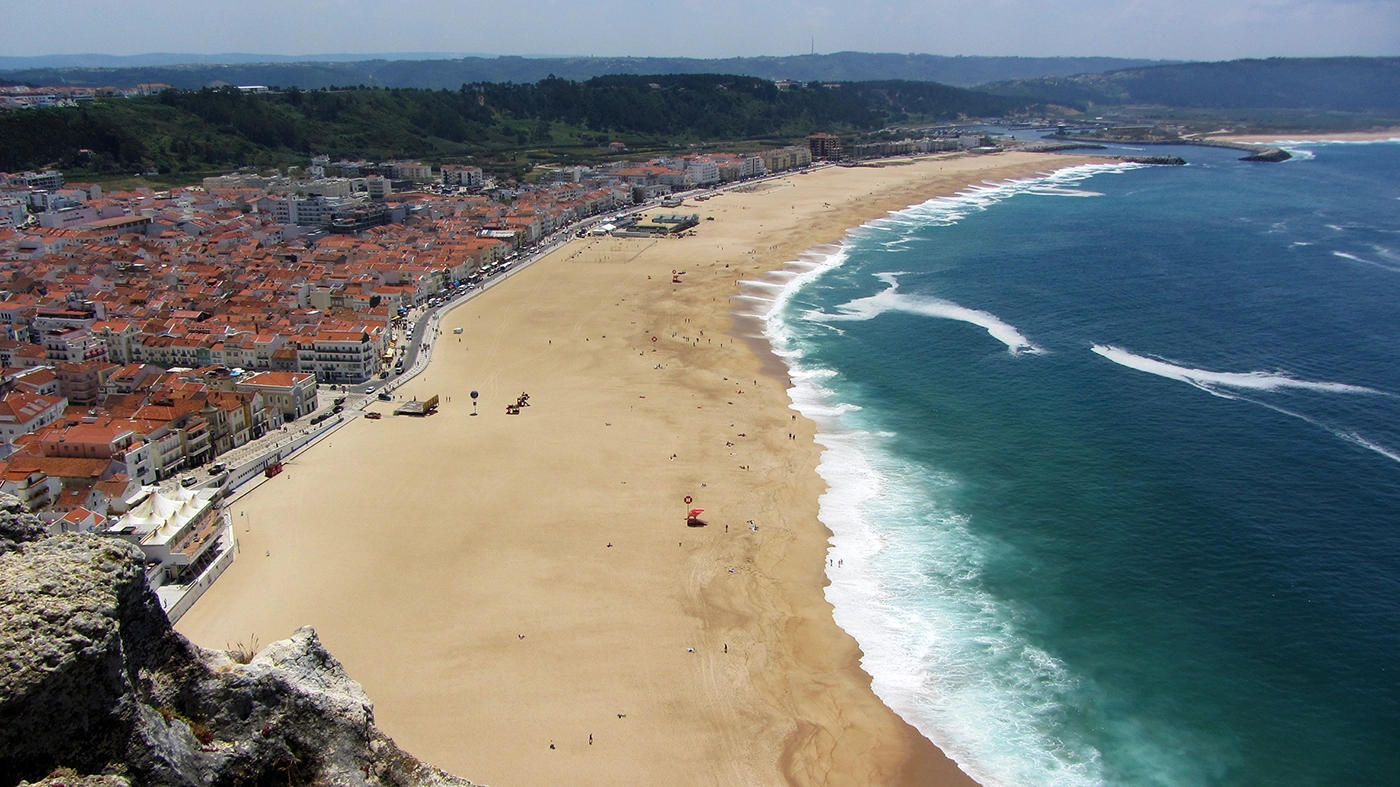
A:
(694, 512)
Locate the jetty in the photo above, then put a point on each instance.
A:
(1266, 153)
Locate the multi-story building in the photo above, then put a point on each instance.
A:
(22, 412)
(119, 338)
(338, 357)
(84, 382)
(702, 171)
(782, 159)
(458, 175)
(74, 346)
(186, 539)
(415, 171)
(310, 211)
(287, 395)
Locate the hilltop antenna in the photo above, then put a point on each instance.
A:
(814, 45)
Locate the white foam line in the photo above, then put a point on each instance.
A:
(1205, 379)
(1365, 261)
(1350, 437)
(976, 710)
(1364, 443)
(892, 300)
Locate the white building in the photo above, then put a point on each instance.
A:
(328, 187)
(12, 212)
(187, 542)
(702, 171)
(287, 395)
(415, 171)
(458, 175)
(338, 356)
(22, 412)
(310, 212)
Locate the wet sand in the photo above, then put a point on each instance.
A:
(500, 583)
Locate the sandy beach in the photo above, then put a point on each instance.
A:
(520, 594)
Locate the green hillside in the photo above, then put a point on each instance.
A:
(496, 125)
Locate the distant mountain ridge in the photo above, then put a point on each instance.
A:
(1334, 84)
(450, 74)
(97, 60)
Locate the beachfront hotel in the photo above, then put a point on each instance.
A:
(187, 541)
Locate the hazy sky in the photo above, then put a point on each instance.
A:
(1179, 29)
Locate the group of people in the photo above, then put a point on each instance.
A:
(523, 401)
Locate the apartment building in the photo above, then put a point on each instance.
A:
(287, 395)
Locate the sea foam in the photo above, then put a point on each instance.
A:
(941, 649)
(1212, 381)
(892, 300)
(1237, 383)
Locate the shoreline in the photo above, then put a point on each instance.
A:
(504, 586)
(1299, 136)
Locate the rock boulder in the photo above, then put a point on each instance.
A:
(96, 688)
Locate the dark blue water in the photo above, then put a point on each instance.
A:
(1115, 468)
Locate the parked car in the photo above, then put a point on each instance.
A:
(385, 397)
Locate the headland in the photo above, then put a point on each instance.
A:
(522, 594)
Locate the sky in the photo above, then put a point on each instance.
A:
(1157, 29)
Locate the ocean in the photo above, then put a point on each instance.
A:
(1114, 466)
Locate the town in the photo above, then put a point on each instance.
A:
(145, 335)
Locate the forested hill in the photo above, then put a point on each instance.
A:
(559, 119)
(1340, 84)
(453, 73)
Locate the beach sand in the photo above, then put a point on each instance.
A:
(520, 594)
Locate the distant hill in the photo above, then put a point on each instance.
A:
(95, 60)
(1336, 84)
(499, 125)
(438, 74)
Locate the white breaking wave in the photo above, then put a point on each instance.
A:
(1208, 380)
(892, 300)
(1353, 437)
(942, 650)
(943, 211)
(1213, 382)
(1346, 256)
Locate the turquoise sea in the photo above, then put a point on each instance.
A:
(1114, 466)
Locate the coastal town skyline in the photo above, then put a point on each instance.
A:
(1154, 29)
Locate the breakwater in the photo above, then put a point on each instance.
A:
(1266, 153)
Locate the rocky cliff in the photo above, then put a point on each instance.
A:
(96, 688)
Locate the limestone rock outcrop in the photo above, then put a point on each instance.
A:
(97, 689)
